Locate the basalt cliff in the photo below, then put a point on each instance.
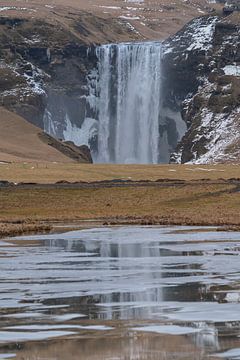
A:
(204, 62)
(46, 68)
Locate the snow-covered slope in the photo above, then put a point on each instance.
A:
(205, 59)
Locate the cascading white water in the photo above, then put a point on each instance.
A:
(121, 119)
(129, 103)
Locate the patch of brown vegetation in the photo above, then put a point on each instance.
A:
(188, 204)
(22, 141)
(108, 20)
(22, 227)
(229, 228)
(176, 194)
(50, 173)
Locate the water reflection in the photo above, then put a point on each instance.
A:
(125, 348)
(138, 286)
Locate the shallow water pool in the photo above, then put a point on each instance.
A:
(121, 293)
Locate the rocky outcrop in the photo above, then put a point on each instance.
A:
(41, 62)
(68, 148)
(203, 61)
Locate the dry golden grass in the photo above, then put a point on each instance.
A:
(151, 19)
(194, 202)
(12, 229)
(19, 141)
(53, 172)
(199, 204)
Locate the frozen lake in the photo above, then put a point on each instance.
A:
(121, 293)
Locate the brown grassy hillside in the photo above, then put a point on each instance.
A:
(19, 141)
(126, 20)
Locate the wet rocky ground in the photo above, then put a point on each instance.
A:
(121, 293)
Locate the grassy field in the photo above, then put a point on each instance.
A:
(189, 204)
(205, 198)
(53, 172)
(197, 203)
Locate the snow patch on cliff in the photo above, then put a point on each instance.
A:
(35, 80)
(129, 17)
(27, 80)
(232, 70)
(222, 131)
(201, 35)
(135, 1)
(16, 8)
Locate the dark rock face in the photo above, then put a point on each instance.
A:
(5, 183)
(203, 61)
(80, 154)
(67, 91)
(83, 150)
(42, 64)
(43, 70)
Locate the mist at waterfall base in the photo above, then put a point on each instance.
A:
(124, 120)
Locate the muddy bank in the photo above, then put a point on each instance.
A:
(11, 229)
(24, 227)
(65, 184)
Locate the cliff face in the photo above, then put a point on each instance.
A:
(204, 62)
(44, 65)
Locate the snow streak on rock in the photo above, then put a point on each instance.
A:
(208, 50)
(222, 132)
(15, 8)
(232, 70)
(216, 138)
(201, 35)
(27, 79)
(198, 35)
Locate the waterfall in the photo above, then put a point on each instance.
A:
(119, 113)
(129, 102)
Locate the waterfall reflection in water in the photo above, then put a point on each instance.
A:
(127, 293)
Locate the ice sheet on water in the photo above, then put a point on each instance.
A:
(168, 329)
(233, 354)
(66, 317)
(144, 273)
(139, 234)
(12, 336)
(40, 327)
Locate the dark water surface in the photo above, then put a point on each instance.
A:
(123, 293)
